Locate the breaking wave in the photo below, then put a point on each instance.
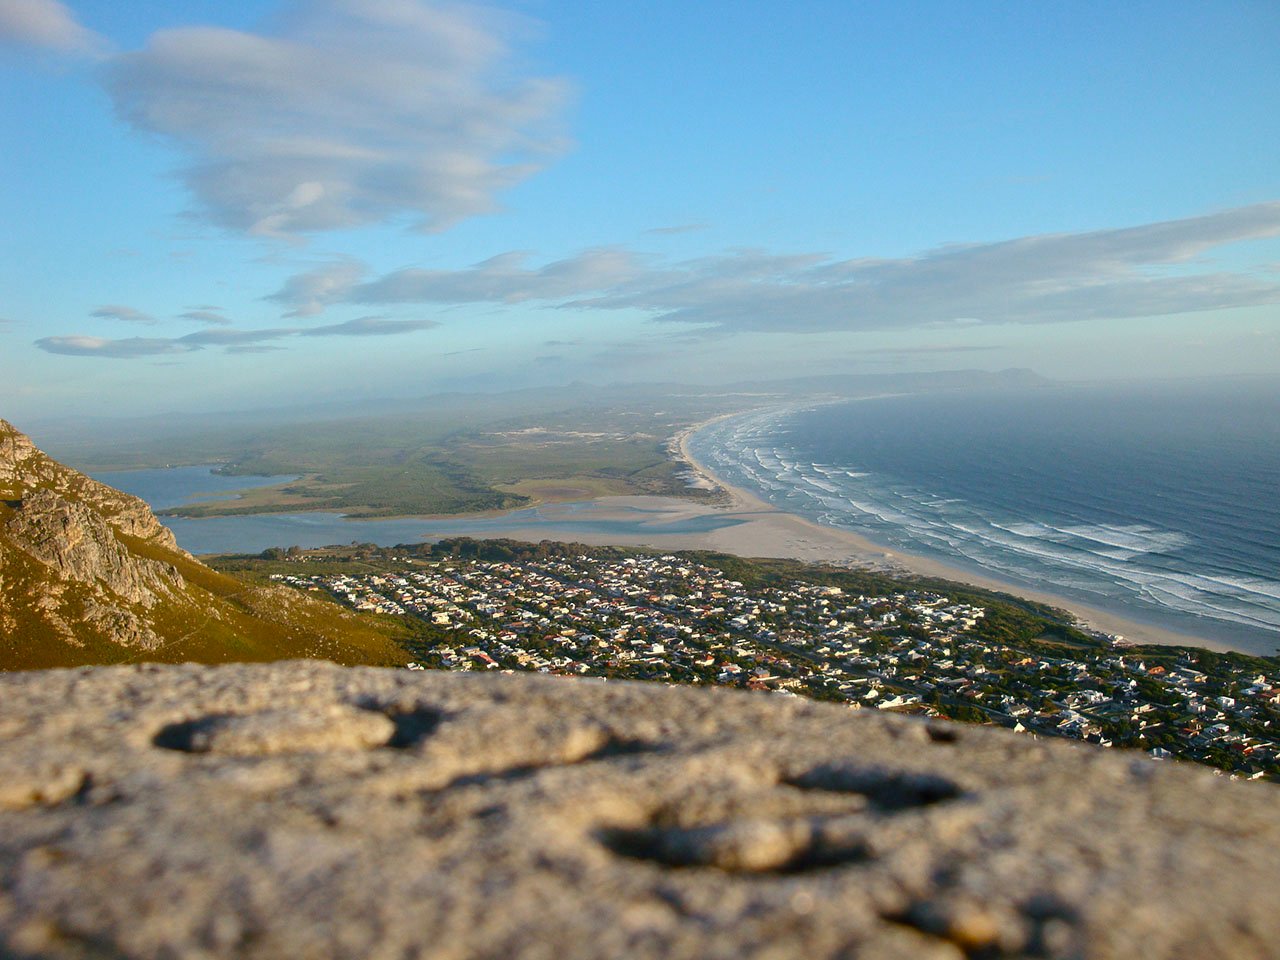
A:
(1146, 535)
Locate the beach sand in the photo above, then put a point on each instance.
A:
(750, 527)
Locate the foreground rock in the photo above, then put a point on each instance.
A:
(306, 810)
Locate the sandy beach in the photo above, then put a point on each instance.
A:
(749, 527)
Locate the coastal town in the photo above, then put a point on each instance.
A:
(681, 619)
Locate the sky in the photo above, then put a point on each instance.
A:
(245, 203)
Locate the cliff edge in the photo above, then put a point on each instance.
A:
(307, 810)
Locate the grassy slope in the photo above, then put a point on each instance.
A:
(215, 618)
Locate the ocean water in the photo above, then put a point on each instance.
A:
(1160, 503)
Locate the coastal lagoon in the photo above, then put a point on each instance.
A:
(253, 533)
(561, 521)
(164, 488)
(1158, 504)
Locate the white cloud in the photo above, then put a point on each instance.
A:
(351, 113)
(46, 24)
(1148, 270)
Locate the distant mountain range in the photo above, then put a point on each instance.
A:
(89, 575)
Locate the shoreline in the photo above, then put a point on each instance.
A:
(867, 553)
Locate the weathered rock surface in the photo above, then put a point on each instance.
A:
(78, 544)
(305, 810)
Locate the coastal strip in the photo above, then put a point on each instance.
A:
(730, 520)
(772, 532)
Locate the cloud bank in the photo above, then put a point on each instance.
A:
(1148, 270)
(352, 112)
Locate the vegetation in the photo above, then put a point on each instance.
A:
(455, 458)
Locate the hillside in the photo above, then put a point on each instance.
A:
(88, 575)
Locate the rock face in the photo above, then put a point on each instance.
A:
(84, 574)
(89, 575)
(306, 810)
(26, 470)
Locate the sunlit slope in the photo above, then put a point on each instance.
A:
(88, 575)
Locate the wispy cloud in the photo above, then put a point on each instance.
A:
(505, 279)
(125, 349)
(351, 113)
(227, 337)
(230, 340)
(47, 25)
(369, 327)
(115, 311)
(308, 293)
(210, 316)
(1148, 270)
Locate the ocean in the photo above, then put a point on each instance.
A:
(1158, 503)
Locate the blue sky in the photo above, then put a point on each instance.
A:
(217, 205)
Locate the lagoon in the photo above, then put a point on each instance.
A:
(253, 533)
(166, 487)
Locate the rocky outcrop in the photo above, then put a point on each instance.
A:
(301, 809)
(80, 545)
(89, 575)
(25, 470)
(64, 545)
